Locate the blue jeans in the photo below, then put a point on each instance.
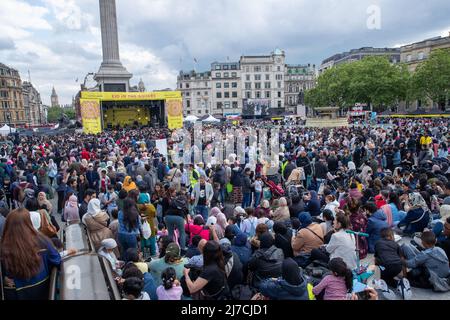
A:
(203, 211)
(222, 194)
(319, 183)
(258, 196)
(176, 222)
(127, 241)
(247, 200)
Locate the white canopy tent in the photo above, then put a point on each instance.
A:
(211, 119)
(5, 130)
(191, 118)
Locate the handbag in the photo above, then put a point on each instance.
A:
(46, 227)
(146, 230)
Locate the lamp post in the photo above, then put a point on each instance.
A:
(8, 116)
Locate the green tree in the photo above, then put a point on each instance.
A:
(55, 113)
(372, 80)
(432, 78)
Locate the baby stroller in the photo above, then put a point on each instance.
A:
(276, 190)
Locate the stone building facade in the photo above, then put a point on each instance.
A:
(12, 109)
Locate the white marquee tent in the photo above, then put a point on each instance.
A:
(5, 130)
(211, 119)
(191, 118)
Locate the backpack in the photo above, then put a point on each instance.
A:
(292, 191)
(180, 203)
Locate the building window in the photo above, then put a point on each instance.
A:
(233, 67)
(247, 69)
(206, 93)
(279, 94)
(248, 95)
(267, 85)
(226, 85)
(268, 94)
(257, 85)
(187, 94)
(218, 85)
(206, 84)
(267, 69)
(225, 67)
(199, 111)
(199, 93)
(279, 77)
(218, 74)
(258, 95)
(290, 88)
(234, 94)
(257, 69)
(279, 103)
(408, 58)
(227, 105)
(278, 68)
(219, 95)
(188, 112)
(234, 74)
(187, 85)
(235, 104)
(17, 115)
(247, 77)
(257, 77)
(188, 103)
(279, 85)
(421, 55)
(219, 105)
(248, 85)
(226, 75)
(226, 95)
(181, 86)
(267, 77)
(234, 84)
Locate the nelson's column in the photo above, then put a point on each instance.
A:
(112, 76)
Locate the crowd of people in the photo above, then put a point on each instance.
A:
(231, 231)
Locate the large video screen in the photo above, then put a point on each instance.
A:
(256, 107)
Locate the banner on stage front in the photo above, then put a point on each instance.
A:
(91, 116)
(174, 113)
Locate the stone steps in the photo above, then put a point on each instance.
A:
(327, 123)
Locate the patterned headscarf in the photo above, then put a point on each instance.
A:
(417, 201)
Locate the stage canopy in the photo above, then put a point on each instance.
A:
(211, 119)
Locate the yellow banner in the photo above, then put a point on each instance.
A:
(91, 116)
(174, 109)
(131, 96)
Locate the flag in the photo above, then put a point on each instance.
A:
(76, 80)
(195, 60)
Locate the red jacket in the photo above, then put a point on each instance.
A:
(194, 230)
(85, 155)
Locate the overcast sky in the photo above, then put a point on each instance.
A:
(59, 41)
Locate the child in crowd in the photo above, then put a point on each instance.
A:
(423, 263)
(132, 289)
(388, 258)
(338, 285)
(328, 218)
(170, 288)
(258, 190)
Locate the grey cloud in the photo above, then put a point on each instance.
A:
(7, 44)
(73, 49)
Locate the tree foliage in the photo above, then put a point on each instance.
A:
(432, 78)
(55, 113)
(372, 80)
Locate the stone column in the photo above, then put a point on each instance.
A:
(110, 39)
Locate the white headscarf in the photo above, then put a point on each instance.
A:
(94, 207)
(35, 220)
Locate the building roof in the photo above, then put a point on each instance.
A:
(363, 50)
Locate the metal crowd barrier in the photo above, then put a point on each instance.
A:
(84, 276)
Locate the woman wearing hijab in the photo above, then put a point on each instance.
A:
(417, 214)
(129, 224)
(128, 184)
(290, 286)
(106, 250)
(263, 210)
(43, 201)
(96, 222)
(266, 262)
(71, 211)
(283, 239)
(282, 212)
(221, 225)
